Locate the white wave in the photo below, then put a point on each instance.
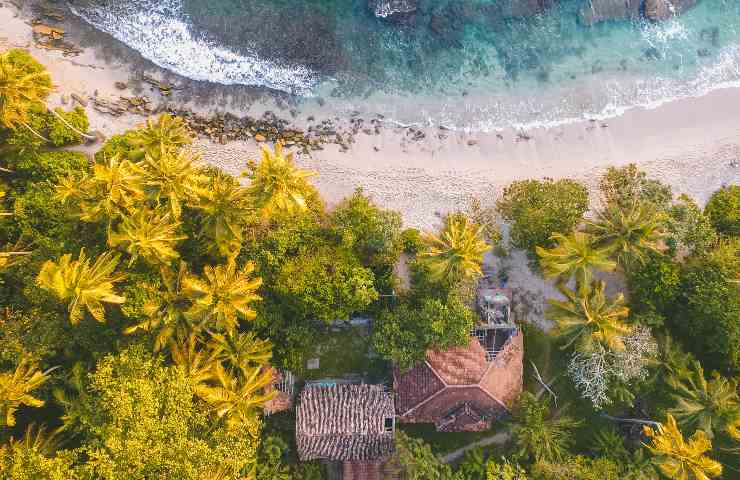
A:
(162, 34)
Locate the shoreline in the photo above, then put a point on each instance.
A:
(690, 144)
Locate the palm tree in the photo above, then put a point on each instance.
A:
(575, 255)
(223, 296)
(111, 190)
(679, 459)
(16, 388)
(149, 235)
(85, 285)
(172, 177)
(36, 439)
(277, 185)
(457, 253)
(226, 210)
(588, 317)
(160, 138)
(711, 406)
(537, 433)
(197, 364)
(239, 399)
(241, 350)
(166, 309)
(629, 234)
(21, 87)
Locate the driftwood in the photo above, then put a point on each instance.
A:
(545, 386)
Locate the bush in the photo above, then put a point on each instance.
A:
(32, 167)
(326, 284)
(404, 334)
(538, 208)
(411, 241)
(723, 210)
(60, 134)
(653, 284)
(689, 229)
(116, 145)
(627, 185)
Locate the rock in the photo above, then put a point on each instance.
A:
(703, 52)
(79, 99)
(525, 8)
(46, 30)
(260, 138)
(392, 8)
(121, 85)
(595, 11)
(657, 10)
(472, 143)
(65, 99)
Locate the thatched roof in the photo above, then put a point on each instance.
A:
(345, 422)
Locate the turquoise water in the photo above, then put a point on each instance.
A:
(462, 64)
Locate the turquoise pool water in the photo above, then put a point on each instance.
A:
(462, 64)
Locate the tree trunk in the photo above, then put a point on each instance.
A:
(46, 140)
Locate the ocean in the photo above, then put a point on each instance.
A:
(464, 64)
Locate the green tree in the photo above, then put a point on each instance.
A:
(148, 235)
(679, 459)
(457, 252)
(417, 461)
(142, 420)
(624, 186)
(538, 434)
(113, 189)
(226, 210)
(536, 209)
(277, 185)
(407, 332)
(505, 470)
(630, 234)
(34, 457)
(328, 284)
(84, 285)
(723, 210)
(160, 138)
(712, 406)
(579, 468)
(689, 230)
(16, 389)
(223, 296)
(588, 317)
(574, 255)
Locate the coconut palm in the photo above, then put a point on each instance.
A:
(574, 255)
(277, 185)
(112, 189)
(241, 350)
(36, 439)
(537, 433)
(166, 309)
(457, 252)
(628, 233)
(171, 177)
(588, 317)
(85, 285)
(226, 209)
(198, 364)
(23, 85)
(161, 137)
(16, 389)
(72, 397)
(238, 399)
(149, 235)
(679, 459)
(712, 406)
(224, 295)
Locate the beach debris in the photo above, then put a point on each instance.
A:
(260, 138)
(64, 99)
(52, 38)
(46, 30)
(522, 136)
(121, 85)
(137, 105)
(164, 88)
(82, 100)
(472, 143)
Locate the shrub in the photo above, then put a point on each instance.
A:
(60, 134)
(723, 210)
(326, 284)
(626, 185)
(538, 208)
(653, 284)
(411, 241)
(689, 229)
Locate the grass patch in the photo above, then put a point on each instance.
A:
(345, 352)
(445, 442)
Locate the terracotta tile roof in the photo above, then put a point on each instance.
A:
(473, 391)
(344, 422)
(374, 470)
(283, 399)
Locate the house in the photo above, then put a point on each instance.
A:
(465, 388)
(282, 385)
(350, 424)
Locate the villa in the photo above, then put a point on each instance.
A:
(465, 388)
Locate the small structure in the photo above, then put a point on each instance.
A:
(465, 388)
(353, 424)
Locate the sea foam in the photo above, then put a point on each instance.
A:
(162, 34)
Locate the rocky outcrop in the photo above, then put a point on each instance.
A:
(657, 10)
(392, 8)
(595, 11)
(525, 8)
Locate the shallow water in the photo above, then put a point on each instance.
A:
(459, 63)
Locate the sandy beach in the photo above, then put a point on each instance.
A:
(692, 145)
